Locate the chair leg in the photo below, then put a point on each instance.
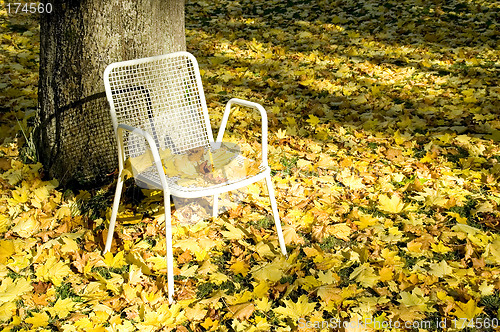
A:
(170, 254)
(215, 211)
(114, 214)
(276, 216)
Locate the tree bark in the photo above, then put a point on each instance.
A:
(78, 39)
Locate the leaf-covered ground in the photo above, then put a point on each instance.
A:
(384, 145)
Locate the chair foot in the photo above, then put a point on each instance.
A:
(114, 214)
(170, 253)
(276, 216)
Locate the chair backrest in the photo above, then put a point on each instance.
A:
(162, 95)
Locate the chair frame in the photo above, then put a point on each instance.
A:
(214, 191)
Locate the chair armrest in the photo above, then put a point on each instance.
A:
(152, 145)
(263, 115)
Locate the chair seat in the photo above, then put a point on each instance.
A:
(198, 176)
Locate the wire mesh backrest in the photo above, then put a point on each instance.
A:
(162, 95)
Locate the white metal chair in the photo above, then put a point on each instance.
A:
(158, 103)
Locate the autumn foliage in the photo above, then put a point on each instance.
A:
(384, 146)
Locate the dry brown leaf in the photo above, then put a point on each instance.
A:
(185, 257)
(5, 164)
(242, 311)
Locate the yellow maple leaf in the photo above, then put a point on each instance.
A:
(364, 275)
(307, 81)
(470, 99)
(115, 282)
(7, 249)
(365, 221)
(40, 194)
(296, 310)
(434, 198)
(169, 167)
(208, 324)
(7, 310)
(207, 267)
(309, 282)
(39, 319)
(63, 211)
(341, 231)
(117, 261)
(475, 235)
(352, 182)
(135, 274)
(428, 158)
(240, 267)
(486, 289)
(328, 277)
(232, 233)
(222, 157)
(264, 249)
(262, 324)
(253, 190)
(400, 139)
(494, 250)
(440, 248)
(326, 162)
(281, 134)
(62, 308)
(385, 274)
(416, 300)
(184, 166)
(218, 278)
(130, 292)
(239, 298)
(440, 269)
(291, 130)
(53, 270)
(4, 223)
(84, 323)
(467, 310)
(303, 163)
(10, 290)
(26, 226)
(70, 245)
(290, 235)
(196, 313)
(329, 293)
(138, 164)
(263, 304)
(390, 205)
(414, 246)
(159, 262)
(271, 271)
(313, 120)
(20, 195)
(260, 289)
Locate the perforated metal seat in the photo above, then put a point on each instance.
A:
(150, 179)
(157, 104)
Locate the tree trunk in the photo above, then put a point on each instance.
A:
(78, 39)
